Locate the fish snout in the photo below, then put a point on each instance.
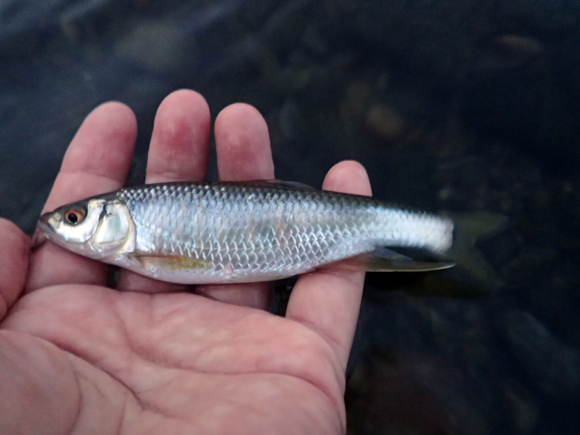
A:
(43, 229)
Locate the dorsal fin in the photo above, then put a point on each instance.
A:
(281, 184)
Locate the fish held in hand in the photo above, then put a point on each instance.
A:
(202, 233)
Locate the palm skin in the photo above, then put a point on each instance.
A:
(147, 357)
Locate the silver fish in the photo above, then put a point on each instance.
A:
(194, 233)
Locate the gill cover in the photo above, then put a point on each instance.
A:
(113, 233)
(114, 224)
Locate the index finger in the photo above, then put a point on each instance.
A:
(97, 161)
(328, 300)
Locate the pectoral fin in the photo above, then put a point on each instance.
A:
(170, 263)
(385, 260)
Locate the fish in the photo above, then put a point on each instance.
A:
(231, 232)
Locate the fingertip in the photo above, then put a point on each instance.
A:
(348, 176)
(183, 117)
(191, 100)
(243, 144)
(241, 124)
(104, 142)
(239, 112)
(180, 139)
(115, 109)
(115, 116)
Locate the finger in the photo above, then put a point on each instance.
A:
(178, 152)
(243, 153)
(328, 300)
(243, 144)
(97, 161)
(14, 258)
(180, 139)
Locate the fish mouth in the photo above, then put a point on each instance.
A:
(41, 234)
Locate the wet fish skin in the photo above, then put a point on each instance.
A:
(208, 232)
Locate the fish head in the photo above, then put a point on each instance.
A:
(97, 228)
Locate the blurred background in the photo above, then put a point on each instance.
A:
(467, 108)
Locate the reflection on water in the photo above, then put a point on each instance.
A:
(469, 108)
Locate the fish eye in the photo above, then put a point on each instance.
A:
(74, 216)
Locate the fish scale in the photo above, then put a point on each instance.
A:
(263, 231)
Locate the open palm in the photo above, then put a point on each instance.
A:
(77, 357)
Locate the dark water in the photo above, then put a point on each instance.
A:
(465, 107)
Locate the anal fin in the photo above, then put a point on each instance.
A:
(385, 260)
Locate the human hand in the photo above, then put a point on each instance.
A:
(77, 357)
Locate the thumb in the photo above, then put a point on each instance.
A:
(14, 258)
